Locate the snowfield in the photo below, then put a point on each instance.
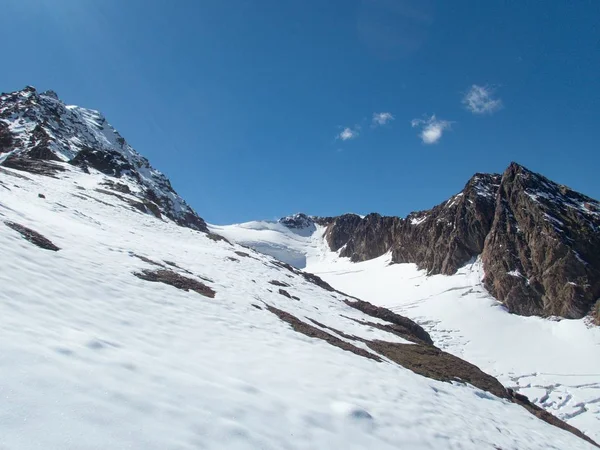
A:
(554, 363)
(94, 357)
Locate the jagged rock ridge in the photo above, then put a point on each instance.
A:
(539, 241)
(38, 129)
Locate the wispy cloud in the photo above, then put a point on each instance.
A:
(381, 118)
(432, 128)
(480, 100)
(348, 133)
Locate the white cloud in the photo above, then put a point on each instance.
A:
(432, 128)
(479, 100)
(381, 118)
(347, 134)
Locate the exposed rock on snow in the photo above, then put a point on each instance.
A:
(176, 280)
(33, 236)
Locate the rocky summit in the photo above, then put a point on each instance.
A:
(38, 132)
(539, 241)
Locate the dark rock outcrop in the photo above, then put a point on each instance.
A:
(108, 162)
(542, 255)
(397, 324)
(33, 165)
(33, 236)
(176, 280)
(7, 141)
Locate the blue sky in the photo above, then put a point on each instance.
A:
(244, 104)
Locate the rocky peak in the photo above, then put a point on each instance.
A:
(297, 221)
(51, 94)
(36, 128)
(539, 240)
(542, 255)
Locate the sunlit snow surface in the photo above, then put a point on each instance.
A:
(556, 364)
(94, 358)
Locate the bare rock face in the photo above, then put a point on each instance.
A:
(439, 240)
(6, 138)
(542, 255)
(446, 237)
(363, 238)
(539, 241)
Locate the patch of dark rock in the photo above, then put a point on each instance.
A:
(314, 332)
(33, 236)
(148, 207)
(278, 283)
(116, 186)
(256, 306)
(338, 332)
(403, 325)
(217, 237)
(206, 278)
(172, 264)
(106, 161)
(546, 416)
(188, 219)
(242, 254)
(231, 258)
(285, 293)
(41, 196)
(176, 280)
(144, 207)
(432, 362)
(42, 152)
(283, 265)
(99, 201)
(13, 174)
(146, 260)
(35, 166)
(392, 328)
(7, 140)
(311, 278)
(295, 298)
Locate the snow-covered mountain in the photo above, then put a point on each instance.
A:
(37, 129)
(128, 326)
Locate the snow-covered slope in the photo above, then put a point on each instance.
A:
(291, 244)
(95, 357)
(554, 363)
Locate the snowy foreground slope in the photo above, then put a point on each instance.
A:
(95, 357)
(554, 363)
